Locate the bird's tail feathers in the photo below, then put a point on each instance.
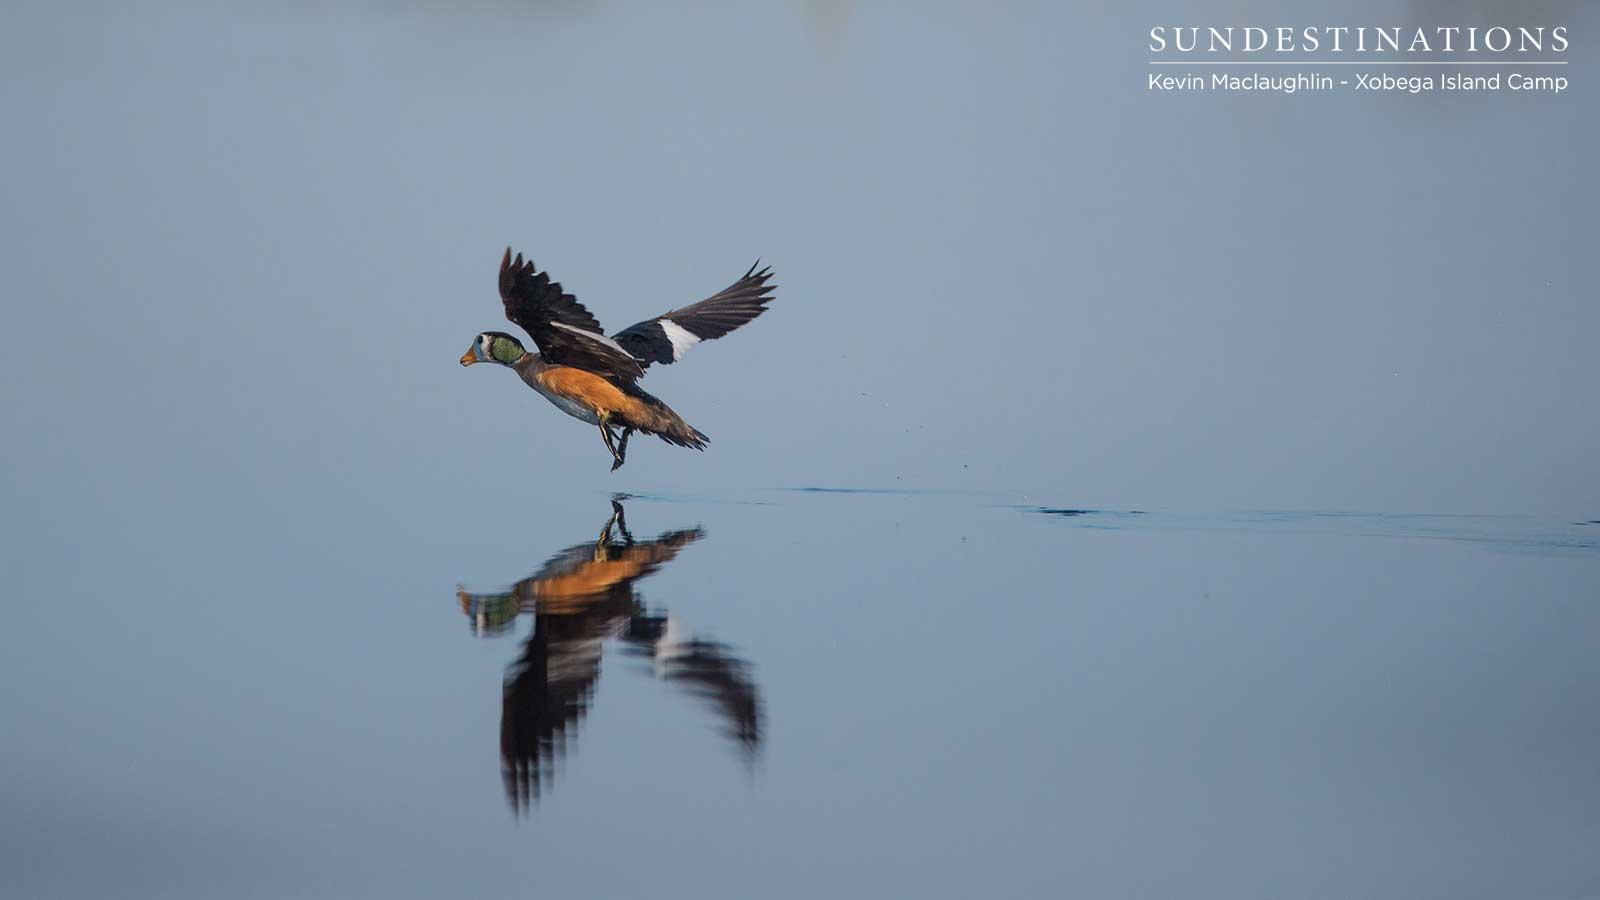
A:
(655, 417)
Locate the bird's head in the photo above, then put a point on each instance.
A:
(495, 347)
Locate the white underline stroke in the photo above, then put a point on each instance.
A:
(1285, 62)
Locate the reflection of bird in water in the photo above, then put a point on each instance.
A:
(579, 599)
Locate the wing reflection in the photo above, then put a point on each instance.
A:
(581, 598)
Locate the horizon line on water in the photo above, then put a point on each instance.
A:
(1019, 500)
(1512, 532)
(1337, 62)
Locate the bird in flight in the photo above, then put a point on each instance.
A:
(595, 378)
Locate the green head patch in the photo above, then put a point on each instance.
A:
(503, 348)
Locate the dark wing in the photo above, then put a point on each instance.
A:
(708, 670)
(566, 333)
(547, 693)
(665, 338)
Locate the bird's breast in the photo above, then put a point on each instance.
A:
(581, 395)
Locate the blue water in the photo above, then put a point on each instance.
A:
(800, 692)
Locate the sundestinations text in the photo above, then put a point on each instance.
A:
(1357, 39)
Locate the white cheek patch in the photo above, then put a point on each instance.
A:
(682, 338)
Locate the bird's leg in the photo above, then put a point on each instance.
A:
(622, 448)
(622, 523)
(605, 432)
(602, 547)
(605, 533)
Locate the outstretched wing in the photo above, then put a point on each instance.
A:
(665, 338)
(710, 671)
(547, 693)
(565, 332)
(706, 669)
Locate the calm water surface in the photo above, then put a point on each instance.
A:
(797, 692)
(298, 607)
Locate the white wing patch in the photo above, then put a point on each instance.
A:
(673, 643)
(682, 338)
(597, 338)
